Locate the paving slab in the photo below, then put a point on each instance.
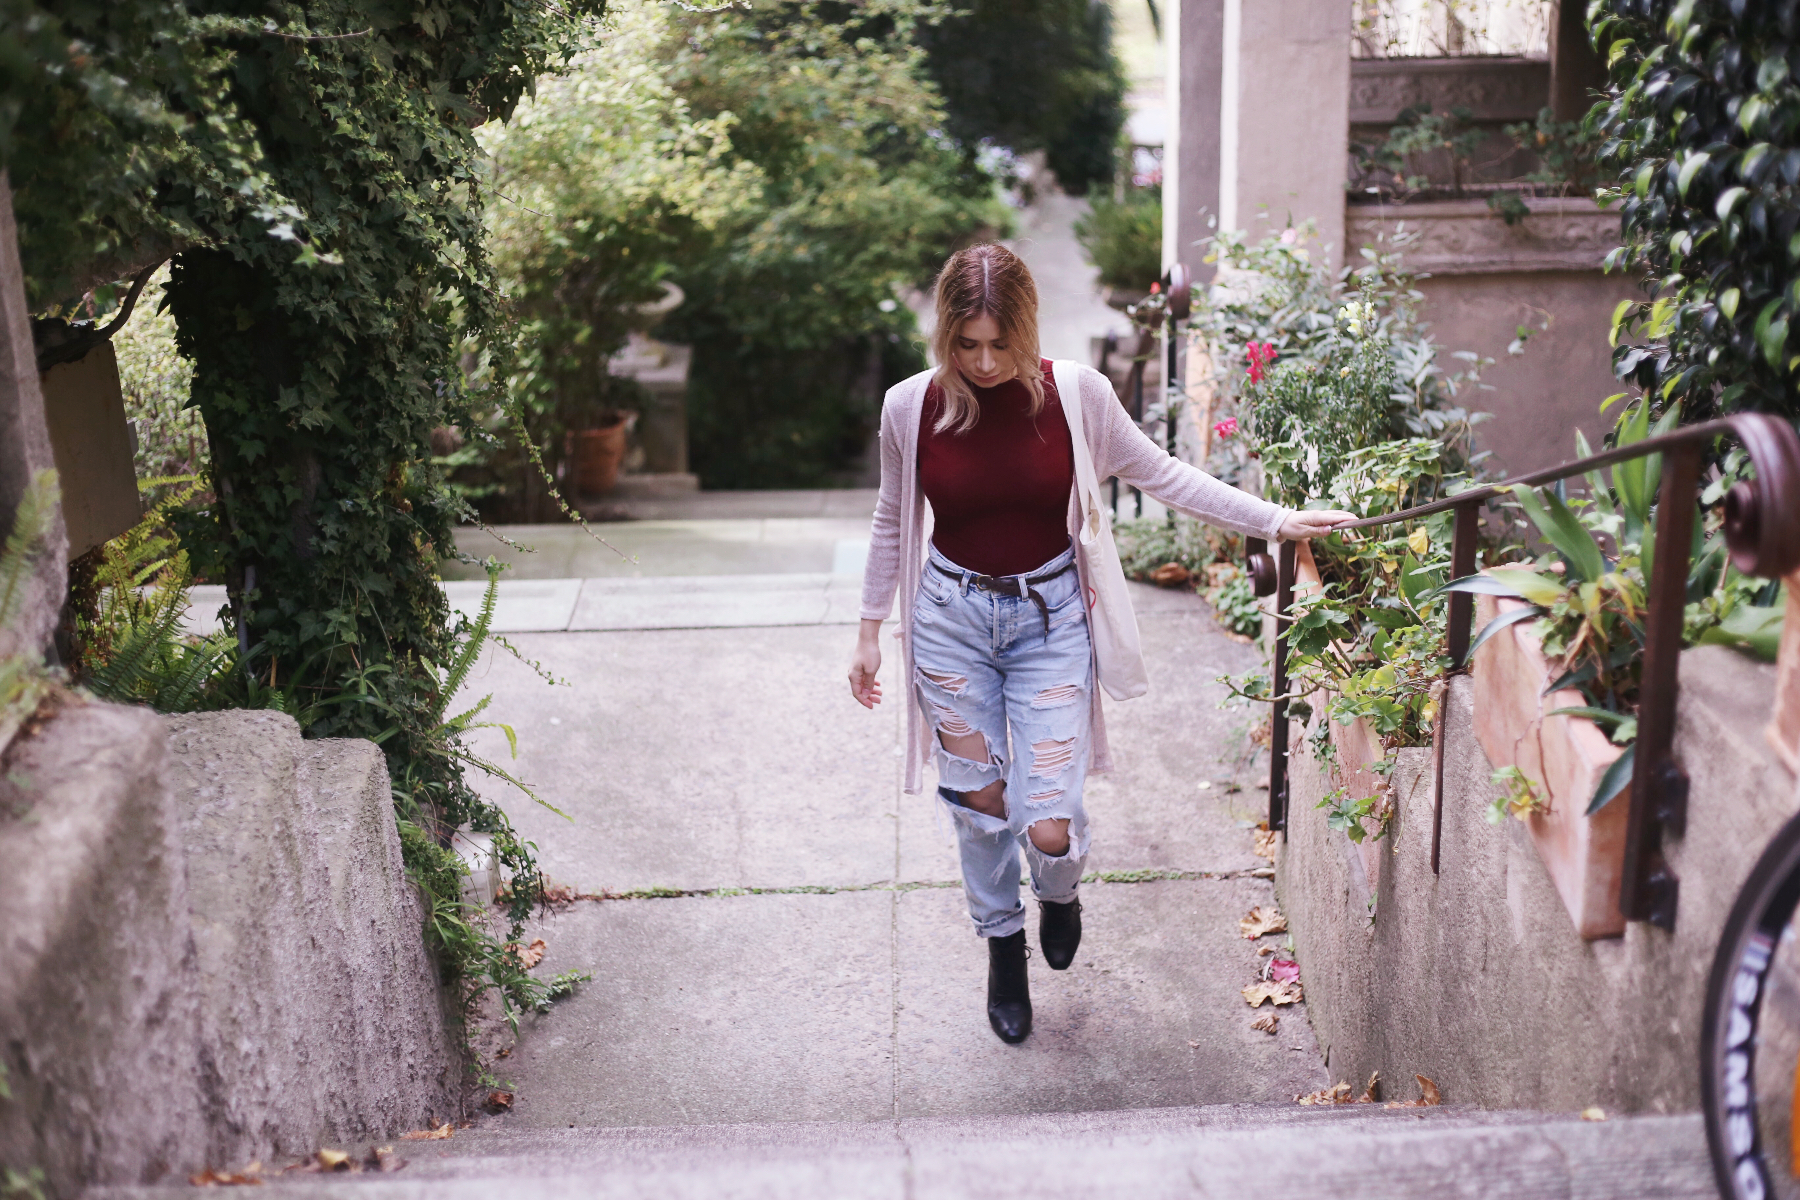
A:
(520, 605)
(695, 758)
(761, 1008)
(1150, 1015)
(651, 549)
(717, 602)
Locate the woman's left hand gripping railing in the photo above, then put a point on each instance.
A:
(1762, 530)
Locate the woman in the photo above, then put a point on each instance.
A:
(994, 635)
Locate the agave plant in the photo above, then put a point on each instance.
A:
(1589, 604)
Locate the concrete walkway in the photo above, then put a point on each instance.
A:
(807, 957)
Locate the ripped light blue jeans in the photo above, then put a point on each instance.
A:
(987, 664)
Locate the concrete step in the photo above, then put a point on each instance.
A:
(1283, 1152)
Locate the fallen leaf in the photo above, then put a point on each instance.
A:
(1337, 1093)
(530, 956)
(1428, 1096)
(383, 1158)
(1278, 993)
(1204, 785)
(334, 1160)
(498, 1101)
(429, 1135)
(1262, 920)
(1262, 950)
(1340, 1093)
(1170, 574)
(1193, 1045)
(250, 1176)
(1265, 843)
(1284, 970)
(1593, 1114)
(505, 1053)
(1267, 1023)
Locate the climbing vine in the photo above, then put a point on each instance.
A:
(320, 376)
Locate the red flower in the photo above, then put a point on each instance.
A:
(1225, 428)
(1260, 354)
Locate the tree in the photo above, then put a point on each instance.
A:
(1033, 75)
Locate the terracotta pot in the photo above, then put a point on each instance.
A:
(598, 453)
(1565, 756)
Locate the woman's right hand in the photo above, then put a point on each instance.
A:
(865, 662)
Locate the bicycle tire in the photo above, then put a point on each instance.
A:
(1732, 1023)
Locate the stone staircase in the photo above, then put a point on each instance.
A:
(1263, 1151)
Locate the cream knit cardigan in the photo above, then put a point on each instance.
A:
(902, 524)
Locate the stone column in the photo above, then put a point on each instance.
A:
(1284, 120)
(1193, 38)
(24, 450)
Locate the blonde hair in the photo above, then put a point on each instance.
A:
(984, 281)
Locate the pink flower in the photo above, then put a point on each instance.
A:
(1260, 354)
(1225, 428)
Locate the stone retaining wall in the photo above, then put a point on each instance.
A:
(1476, 977)
(210, 953)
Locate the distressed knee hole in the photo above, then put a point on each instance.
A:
(950, 723)
(954, 684)
(1052, 758)
(1056, 697)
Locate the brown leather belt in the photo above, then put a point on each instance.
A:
(1022, 586)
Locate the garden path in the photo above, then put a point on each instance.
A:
(808, 957)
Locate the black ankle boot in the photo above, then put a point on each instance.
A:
(1059, 932)
(1009, 990)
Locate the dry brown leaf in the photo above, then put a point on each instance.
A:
(250, 1176)
(1263, 951)
(429, 1135)
(1170, 574)
(1593, 1114)
(1337, 1093)
(1220, 573)
(530, 956)
(334, 1160)
(1261, 736)
(1277, 993)
(1268, 1023)
(1265, 843)
(383, 1158)
(1260, 921)
(499, 1101)
(1428, 1096)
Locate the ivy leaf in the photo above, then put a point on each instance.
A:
(1771, 332)
(1689, 169)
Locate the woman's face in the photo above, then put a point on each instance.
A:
(981, 354)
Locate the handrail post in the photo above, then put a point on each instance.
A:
(1460, 617)
(1649, 889)
(1278, 723)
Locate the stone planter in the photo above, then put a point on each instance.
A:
(1564, 757)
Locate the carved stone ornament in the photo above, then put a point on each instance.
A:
(1465, 237)
(1495, 89)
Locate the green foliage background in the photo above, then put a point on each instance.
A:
(1033, 75)
(1703, 131)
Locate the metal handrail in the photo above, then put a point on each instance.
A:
(1762, 532)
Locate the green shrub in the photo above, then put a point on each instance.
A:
(1702, 123)
(1123, 238)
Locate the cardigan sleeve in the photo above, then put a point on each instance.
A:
(1123, 450)
(881, 574)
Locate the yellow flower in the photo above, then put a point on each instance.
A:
(1420, 541)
